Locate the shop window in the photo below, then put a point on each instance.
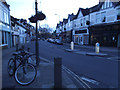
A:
(105, 38)
(5, 37)
(3, 42)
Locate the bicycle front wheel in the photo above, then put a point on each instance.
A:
(11, 67)
(26, 74)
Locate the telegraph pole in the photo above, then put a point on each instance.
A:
(37, 44)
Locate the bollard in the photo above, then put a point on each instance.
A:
(119, 67)
(97, 47)
(57, 73)
(72, 45)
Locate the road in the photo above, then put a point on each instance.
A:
(99, 69)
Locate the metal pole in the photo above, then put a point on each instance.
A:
(37, 48)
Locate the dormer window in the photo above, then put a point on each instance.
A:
(107, 4)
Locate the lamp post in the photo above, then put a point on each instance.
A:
(59, 18)
(37, 44)
(34, 19)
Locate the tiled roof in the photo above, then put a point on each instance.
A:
(116, 3)
(71, 16)
(84, 11)
(65, 21)
(97, 7)
(5, 3)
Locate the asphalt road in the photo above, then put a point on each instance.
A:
(100, 69)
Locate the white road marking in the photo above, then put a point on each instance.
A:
(80, 81)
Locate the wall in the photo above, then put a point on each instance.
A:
(110, 15)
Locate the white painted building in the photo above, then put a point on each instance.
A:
(98, 23)
(81, 32)
(22, 34)
(104, 23)
(5, 30)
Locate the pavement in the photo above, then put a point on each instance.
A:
(45, 75)
(87, 53)
(90, 50)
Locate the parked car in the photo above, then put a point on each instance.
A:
(52, 41)
(43, 39)
(59, 42)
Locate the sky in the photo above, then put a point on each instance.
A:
(54, 10)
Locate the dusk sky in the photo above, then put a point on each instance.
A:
(25, 8)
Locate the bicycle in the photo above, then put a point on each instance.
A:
(25, 72)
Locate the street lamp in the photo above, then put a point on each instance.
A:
(34, 19)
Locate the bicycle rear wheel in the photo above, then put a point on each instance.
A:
(25, 75)
(11, 67)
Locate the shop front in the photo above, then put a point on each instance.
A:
(106, 35)
(81, 37)
(69, 36)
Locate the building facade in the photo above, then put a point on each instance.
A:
(5, 30)
(100, 23)
(105, 23)
(81, 23)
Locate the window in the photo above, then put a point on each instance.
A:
(81, 22)
(118, 11)
(98, 19)
(3, 42)
(7, 17)
(104, 6)
(107, 4)
(5, 20)
(118, 15)
(1, 14)
(110, 4)
(84, 22)
(103, 16)
(5, 37)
